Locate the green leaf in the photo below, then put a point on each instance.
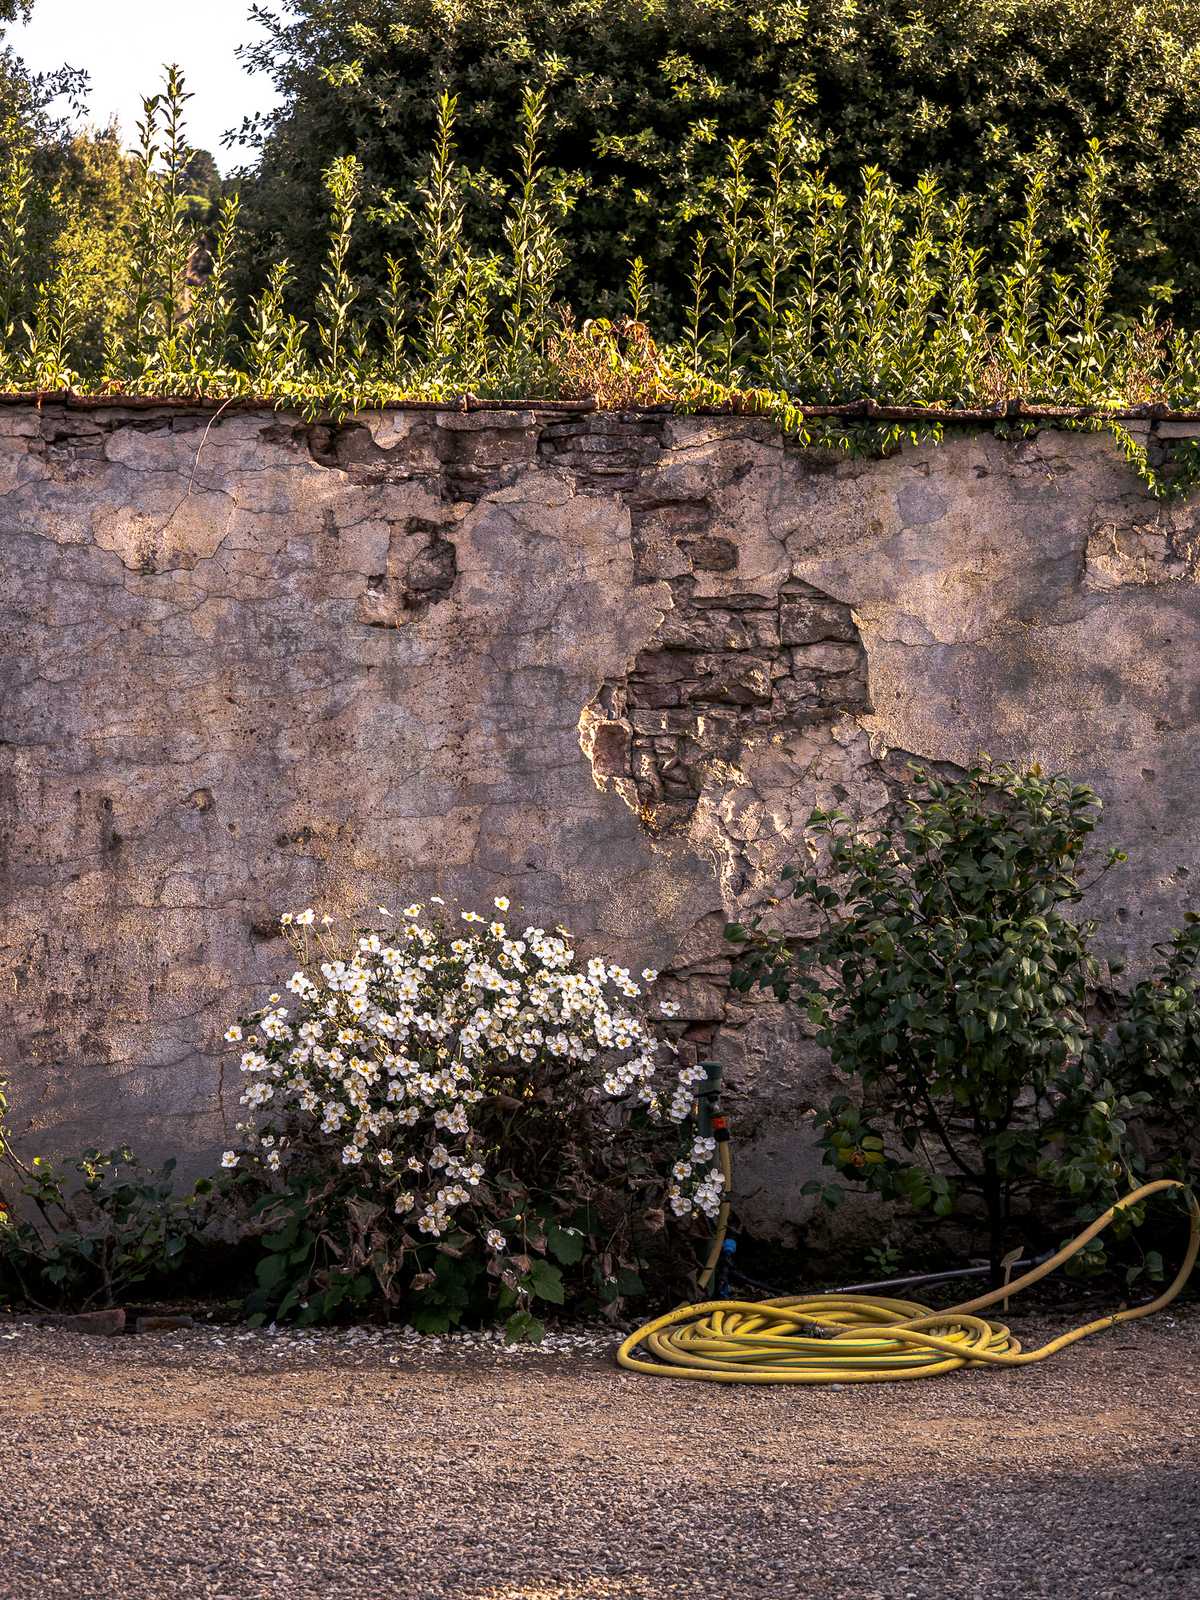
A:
(429, 1319)
(284, 1239)
(524, 1328)
(545, 1280)
(565, 1244)
(270, 1271)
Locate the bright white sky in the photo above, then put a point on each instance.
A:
(123, 44)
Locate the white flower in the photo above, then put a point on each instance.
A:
(501, 902)
(493, 1238)
(306, 918)
(411, 912)
(233, 1034)
(230, 1158)
(669, 1008)
(385, 1158)
(650, 974)
(351, 1155)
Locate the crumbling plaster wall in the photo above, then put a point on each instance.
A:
(603, 664)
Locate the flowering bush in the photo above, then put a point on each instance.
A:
(451, 1115)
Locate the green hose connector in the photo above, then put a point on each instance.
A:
(710, 1124)
(707, 1096)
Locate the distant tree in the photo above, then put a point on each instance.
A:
(92, 199)
(204, 186)
(26, 96)
(978, 92)
(45, 143)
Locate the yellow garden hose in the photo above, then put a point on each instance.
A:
(864, 1338)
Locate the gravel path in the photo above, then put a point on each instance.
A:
(220, 1465)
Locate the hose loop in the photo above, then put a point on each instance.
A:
(841, 1338)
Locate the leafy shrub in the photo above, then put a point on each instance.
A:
(1152, 1052)
(951, 991)
(84, 1235)
(455, 1119)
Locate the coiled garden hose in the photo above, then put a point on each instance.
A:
(844, 1338)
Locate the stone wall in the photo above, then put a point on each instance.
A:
(603, 664)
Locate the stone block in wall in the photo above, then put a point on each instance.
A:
(610, 752)
(804, 620)
(720, 629)
(734, 678)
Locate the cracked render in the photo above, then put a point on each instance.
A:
(604, 664)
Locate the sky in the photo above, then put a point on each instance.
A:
(123, 44)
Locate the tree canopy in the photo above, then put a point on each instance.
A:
(979, 93)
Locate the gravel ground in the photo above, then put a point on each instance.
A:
(217, 1464)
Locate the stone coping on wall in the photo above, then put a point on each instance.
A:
(1162, 420)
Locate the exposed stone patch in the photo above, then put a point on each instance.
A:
(352, 448)
(421, 568)
(718, 672)
(470, 453)
(1145, 553)
(481, 452)
(605, 452)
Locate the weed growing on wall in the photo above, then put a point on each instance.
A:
(801, 295)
